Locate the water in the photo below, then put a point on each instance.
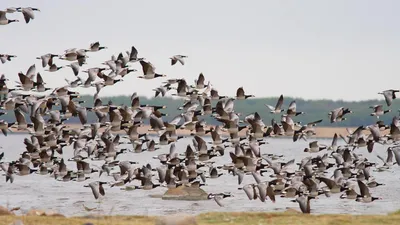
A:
(68, 198)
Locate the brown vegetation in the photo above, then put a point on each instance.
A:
(233, 218)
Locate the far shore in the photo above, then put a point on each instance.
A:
(321, 132)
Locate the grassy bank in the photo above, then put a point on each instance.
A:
(220, 219)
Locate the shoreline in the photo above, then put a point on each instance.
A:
(290, 216)
(321, 132)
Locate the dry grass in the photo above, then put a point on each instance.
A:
(221, 219)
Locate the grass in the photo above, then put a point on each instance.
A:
(219, 219)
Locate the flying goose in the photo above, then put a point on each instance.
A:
(28, 13)
(218, 197)
(6, 57)
(133, 55)
(337, 114)
(291, 111)
(54, 68)
(97, 188)
(95, 47)
(149, 71)
(278, 108)
(365, 196)
(314, 147)
(240, 95)
(47, 59)
(177, 58)
(304, 203)
(389, 95)
(378, 110)
(200, 82)
(4, 20)
(161, 90)
(75, 68)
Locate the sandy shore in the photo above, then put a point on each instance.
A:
(321, 132)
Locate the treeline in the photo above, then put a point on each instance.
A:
(314, 109)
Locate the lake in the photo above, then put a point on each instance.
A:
(68, 198)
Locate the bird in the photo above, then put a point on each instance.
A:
(95, 47)
(240, 95)
(3, 18)
(97, 188)
(28, 13)
(178, 58)
(218, 197)
(278, 107)
(6, 57)
(149, 71)
(389, 95)
(47, 59)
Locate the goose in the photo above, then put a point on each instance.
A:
(95, 47)
(200, 82)
(365, 196)
(389, 95)
(133, 55)
(333, 186)
(47, 59)
(278, 108)
(240, 95)
(75, 83)
(4, 20)
(337, 114)
(108, 81)
(214, 95)
(304, 203)
(334, 143)
(97, 188)
(39, 84)
(291, 111)
(314, 147)
(218, 197)
(177, 58)
(5, 57)
(389, 159)
(28, 13)
(378, 110)
(75, 55)
(161, 90)
(54, 68)
(75, 68)
(124, 71)
(149, 71)
(396, 152)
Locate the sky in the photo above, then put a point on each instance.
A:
(312, 49)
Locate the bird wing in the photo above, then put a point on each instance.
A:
(3, 15)
(363, 189)
(147, 68)
(133, 54)
(28, 14)
(279, 103)
(95, 189)
(218, 200)
(240, 92)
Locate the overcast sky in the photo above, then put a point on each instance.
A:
(311, 49)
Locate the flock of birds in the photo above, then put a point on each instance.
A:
(49, 135)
